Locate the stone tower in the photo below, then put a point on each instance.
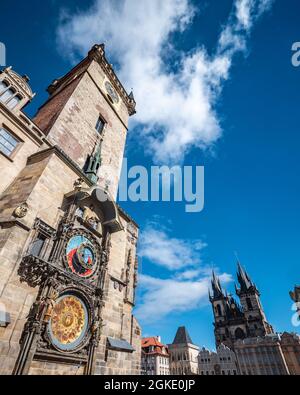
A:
(229, 320)
(250, 300)
(69, 266)
(183, 354)
(234, 321)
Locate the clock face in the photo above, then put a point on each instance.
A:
(111, 91)
(69, 323)
(81, 256)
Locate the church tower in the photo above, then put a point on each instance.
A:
(250, 300)
(68, 252)
(229, 321)
(234, 321)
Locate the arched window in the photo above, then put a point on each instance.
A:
(7, 94)
(14, 101)
(3, 86)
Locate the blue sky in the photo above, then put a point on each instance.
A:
(251, 157)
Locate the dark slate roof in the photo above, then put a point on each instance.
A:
(120, 345)
(182, 336)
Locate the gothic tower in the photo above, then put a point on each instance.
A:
(234, 321)
(229, 321)
(68, 252)
(250, 300)
(183, 354)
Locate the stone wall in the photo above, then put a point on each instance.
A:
(74, 127)
(10, 167)
(40, 175)
(17, 298)
(51, 180)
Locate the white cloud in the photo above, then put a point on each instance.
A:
(188, 281)
(165, 296)
(171, 253)
(176, 109)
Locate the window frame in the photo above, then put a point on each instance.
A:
(20, 142)
(15, 93)
(7, 86)
(100, 119)
(19, 96)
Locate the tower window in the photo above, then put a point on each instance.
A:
(8, 143)
(14, 101)
(100, 125)
(249, 304)
(218, 310)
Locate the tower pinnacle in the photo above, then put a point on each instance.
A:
(216, 286)
(244, 279)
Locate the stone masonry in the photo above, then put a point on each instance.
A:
(46, 196)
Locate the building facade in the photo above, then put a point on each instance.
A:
(261, 356)
(236, 321)
(68, 268)
(155, 357)
(290, 345)
(183, 354)
(222, 362)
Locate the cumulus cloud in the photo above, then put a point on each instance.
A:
(161, 297)
(176, 105)
(172, 253)
(186, 285)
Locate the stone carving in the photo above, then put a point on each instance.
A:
(78, 184)
(21, 211)
(21, 81)
(295, 296)
(34, 271)
(44, 228)
(66, 318)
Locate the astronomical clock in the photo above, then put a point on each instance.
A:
(69, 266)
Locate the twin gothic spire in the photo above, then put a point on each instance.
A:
(245, 282)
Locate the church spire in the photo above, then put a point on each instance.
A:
(244, 279)
(216, 287)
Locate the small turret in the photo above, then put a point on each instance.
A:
(216, 288)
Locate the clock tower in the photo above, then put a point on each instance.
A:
(87, 114)
(69, 269)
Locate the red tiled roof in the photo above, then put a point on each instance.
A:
(153, 342)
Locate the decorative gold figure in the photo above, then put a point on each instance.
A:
(21, 211)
